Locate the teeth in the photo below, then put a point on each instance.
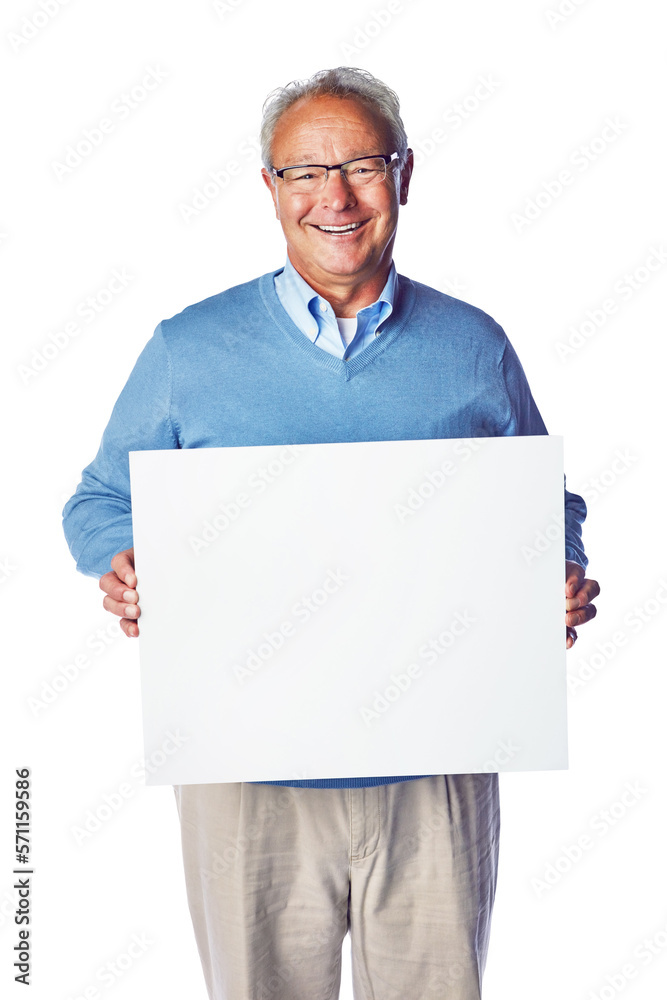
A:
(340, 229)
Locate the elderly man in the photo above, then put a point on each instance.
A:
(334, 346)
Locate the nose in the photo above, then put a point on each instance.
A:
(337, 193)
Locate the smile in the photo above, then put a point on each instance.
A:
(341, 230)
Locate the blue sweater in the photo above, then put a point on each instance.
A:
(234, 370)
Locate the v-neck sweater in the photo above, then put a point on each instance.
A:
(234, 370)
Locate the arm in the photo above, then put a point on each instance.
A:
(97, 520)
(525, 418)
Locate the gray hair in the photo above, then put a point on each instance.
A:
(344, 81)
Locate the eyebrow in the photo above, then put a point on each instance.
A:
(308, 158)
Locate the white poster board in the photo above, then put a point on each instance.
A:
(356, 609)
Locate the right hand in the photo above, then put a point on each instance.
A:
(120, 587)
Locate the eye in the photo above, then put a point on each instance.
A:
(305, 175)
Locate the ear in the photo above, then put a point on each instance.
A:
(406, 174)
(269, 180)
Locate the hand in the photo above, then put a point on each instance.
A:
(579, 592)
(120, 587)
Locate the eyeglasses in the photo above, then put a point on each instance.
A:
(362, 171)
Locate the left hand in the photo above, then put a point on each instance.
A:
(579, 592)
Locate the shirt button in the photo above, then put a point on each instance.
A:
(323, 307)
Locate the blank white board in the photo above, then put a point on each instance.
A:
(355, 609)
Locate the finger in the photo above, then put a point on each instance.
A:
(581, 615)
(589, 590)
(121, 608)
(574, 576)
(130, 628)
(570, 637)
(123, 565)
(117, 590)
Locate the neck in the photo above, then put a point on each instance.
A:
(347, 299)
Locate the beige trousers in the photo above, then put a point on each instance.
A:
(277, 876)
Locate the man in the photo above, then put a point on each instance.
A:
(335, 346)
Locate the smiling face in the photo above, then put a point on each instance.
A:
(352, 265)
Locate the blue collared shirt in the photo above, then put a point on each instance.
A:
(314, 315)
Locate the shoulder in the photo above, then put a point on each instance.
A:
(214, 311)
(438, 310)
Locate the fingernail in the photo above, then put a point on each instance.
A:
(130, 610)
(128, 595)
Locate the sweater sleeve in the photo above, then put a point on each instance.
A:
(525, 418)
(97, 519)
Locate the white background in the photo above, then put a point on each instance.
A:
(550, 87)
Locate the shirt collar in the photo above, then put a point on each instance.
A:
(306, 302)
